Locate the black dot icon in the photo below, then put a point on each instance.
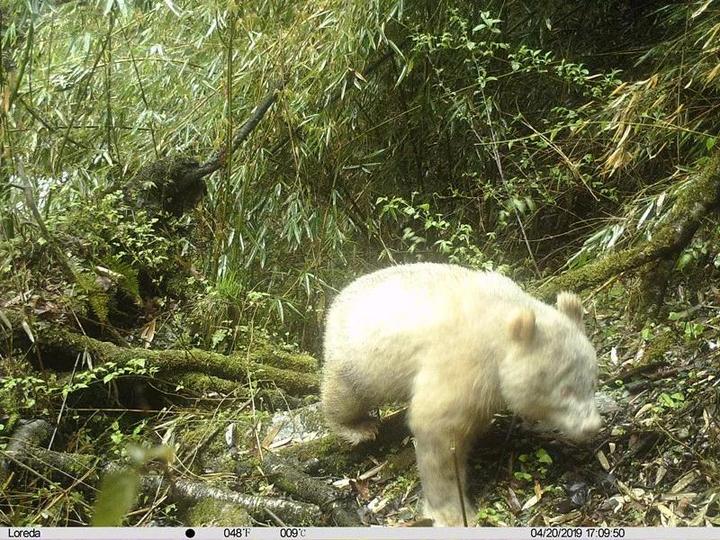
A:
(190, 533)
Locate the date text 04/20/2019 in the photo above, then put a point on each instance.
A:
(577, 532)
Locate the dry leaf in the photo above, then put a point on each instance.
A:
(600, 455)
(538, 490)
(5, 320)
(147, 334)
(28, 331)
(532, 501)
(270, 435)
(684, 482)
(372, 472)
(362, 488)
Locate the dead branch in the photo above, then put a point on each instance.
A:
(218, 160)
(335, 455)
(291, 512)
(177, 182)
(291, 480)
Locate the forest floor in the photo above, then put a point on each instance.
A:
(655, 462)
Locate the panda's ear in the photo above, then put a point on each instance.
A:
(522, 326)
(571, 305)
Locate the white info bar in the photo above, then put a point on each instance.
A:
(360, 533)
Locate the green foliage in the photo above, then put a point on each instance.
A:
(692, 330)
(28, 392)
(96, 297)
(494, 516)
(128, 274)
(111, 232)
(527, 140)
(25, 388)
(119, 489)
(533, 466)
(426, 234)
(676, 400)
(121, 440)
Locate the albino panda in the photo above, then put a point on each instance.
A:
(458, 345)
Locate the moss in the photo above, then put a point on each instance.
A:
(171, 183)
(334, 455)
(203, 384)
(590, 274)
(212, 513)
(265, 352)
(645, 301)
(659, 345)
(207, 443)
(400, 463)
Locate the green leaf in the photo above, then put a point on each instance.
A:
(685, 259)
(138, 362)
(542, 456)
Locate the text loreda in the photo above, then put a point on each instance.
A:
(23, 533)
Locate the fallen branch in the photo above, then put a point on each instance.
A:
(291, 512)
(73, 466)
(335, 455)
(220, 157)
(295, 482)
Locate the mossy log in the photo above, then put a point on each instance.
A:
(264, 352)
(213, 513)
(292, 513)
(172, 363)
(700, 197)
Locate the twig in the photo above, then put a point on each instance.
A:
(64, 402)
(498, 164)
(30, 202)
(459, 485)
